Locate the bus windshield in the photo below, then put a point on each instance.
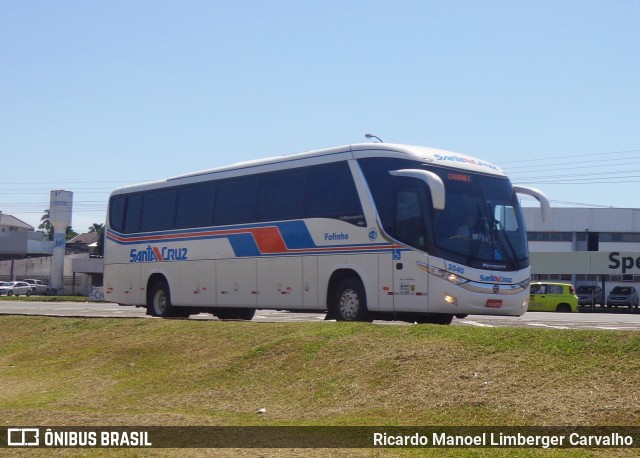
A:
(481, 225)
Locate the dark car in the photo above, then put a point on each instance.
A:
(590, 295)
(623, 296)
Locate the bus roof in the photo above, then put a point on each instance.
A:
(434, 156)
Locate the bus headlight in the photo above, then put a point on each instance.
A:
(525, 284)
(455, 279)
(449, 299)
(449, 276)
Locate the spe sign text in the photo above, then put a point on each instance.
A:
(627, 262)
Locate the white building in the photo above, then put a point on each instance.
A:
(585, 245)
(25, 253)
(18, 239)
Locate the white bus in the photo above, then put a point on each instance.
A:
(362, 231)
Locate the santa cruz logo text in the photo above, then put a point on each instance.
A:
(158, 254)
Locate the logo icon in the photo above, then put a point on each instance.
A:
(373, 234)
(23, 437)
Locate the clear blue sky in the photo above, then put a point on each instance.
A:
(94, 95)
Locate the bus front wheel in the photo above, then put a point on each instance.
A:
(436, 318)
(350, 301)
(234, 313)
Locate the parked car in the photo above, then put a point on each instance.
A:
(15, 288)
(38, 286)
(590, 295)
(553, 297)
(624, 296)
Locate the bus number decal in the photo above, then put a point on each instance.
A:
(455, 268)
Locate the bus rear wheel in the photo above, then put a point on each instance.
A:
(350, 301)
(160, 300)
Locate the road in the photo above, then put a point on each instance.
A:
(605, 321)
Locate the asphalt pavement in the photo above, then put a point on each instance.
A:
(603, 321)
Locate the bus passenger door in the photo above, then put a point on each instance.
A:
(410, 283)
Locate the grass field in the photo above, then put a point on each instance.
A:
(67, 371)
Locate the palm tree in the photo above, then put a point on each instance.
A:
(47, 227)
(99, 228)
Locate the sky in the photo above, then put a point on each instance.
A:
(96, 95)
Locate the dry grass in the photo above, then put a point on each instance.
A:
(179, 372)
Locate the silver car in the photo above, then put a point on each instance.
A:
(15, 288)
(37, 286)
(625, 296)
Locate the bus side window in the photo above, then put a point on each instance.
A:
(195, 205)
(158, 210)
(331, 193)
(133, 214)
(281, 195)
(116, 212)
(410, 222)
(236, 201)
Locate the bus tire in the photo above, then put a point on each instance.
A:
(350, 301)
(435, 318)
(160, 300)
(235, 314)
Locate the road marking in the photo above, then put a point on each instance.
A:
(613, 328)
(552, 326)
(480, 325)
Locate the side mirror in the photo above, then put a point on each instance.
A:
(433, 181)
(545, 206)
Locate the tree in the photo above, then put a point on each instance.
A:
(70, 233)
(47, 227)
(99, 228)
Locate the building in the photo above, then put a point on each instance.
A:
(25, 253)
(19, 239)
(585, 245)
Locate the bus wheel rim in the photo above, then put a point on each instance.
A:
(160, 302)
(349, 303)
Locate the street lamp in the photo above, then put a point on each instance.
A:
(369, 136)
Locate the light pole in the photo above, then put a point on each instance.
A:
(369, 136)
